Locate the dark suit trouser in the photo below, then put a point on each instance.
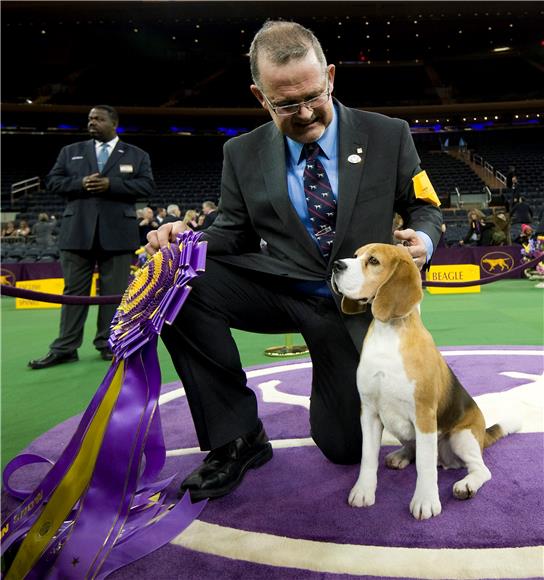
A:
(207, 359)
(78, 268)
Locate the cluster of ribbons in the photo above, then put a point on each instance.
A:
(100, 505)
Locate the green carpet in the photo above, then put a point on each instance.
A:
(506, 312)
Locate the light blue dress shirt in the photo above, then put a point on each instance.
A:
(329, 157)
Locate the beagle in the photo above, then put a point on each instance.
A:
(406, 386)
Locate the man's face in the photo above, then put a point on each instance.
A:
(294, 82)
(100, 125)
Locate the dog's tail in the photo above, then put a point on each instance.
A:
(500, 430)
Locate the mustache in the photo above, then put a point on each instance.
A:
(305, 124)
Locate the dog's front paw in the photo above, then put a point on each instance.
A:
(425, 506)
(361, 496)
(468, 486)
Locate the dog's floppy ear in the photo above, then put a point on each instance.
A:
(400, 292)
(352, 306)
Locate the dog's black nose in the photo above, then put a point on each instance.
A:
(338, 266)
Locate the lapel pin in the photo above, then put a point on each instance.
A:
(354, 158)
(359, 149)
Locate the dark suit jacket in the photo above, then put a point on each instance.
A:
(169, 219)
(255, 202)
(113, 211)
(208, 220)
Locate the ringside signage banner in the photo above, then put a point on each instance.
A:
(453, 273)
(47, 285)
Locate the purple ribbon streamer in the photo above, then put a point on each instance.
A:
(21, 460)
(154, 536)
(114, 482)
(105, 529)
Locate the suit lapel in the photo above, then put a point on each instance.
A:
(90, 152)
(353, 140)
(274, 168)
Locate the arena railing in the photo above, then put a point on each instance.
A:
(23, 187)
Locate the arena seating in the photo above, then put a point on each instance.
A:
(447, 173)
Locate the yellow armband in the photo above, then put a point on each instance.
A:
(424, 189)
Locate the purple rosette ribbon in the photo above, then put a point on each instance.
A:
(101, 505)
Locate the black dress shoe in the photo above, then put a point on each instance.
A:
(53, 358)
(106, 354)
(224, 468)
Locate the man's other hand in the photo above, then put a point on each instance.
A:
(414, 244)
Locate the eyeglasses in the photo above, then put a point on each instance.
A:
(288, 110)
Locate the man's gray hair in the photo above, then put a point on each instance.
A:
(281, 42)
(173, 209)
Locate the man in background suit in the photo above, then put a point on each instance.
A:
(101, 180)
(209, 210)
(372, 171)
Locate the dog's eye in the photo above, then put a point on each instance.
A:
(373, 261)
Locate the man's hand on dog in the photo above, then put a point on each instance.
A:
(414, 244)
(160, 238)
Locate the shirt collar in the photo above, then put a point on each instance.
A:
(111, 144)
(327, 141)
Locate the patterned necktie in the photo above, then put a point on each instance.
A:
(102, 156)
(320, 199)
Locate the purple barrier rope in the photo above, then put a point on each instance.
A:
(57, 298)
(62, 299)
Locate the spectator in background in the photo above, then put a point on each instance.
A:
(209, 210)
(499, 234)
(510, 181)
(101, 180)
(512, 194)
(520, 213)
(24, 229)
(190, 219)
(161, 214)
(9, 230)
(146, 224)
(476, 226)
(173, 214)
(42, 231)
(527, 232)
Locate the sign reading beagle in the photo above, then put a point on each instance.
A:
(453, 273)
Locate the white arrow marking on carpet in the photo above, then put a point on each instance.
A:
(171, 396)
(272, 395)
(524, 401)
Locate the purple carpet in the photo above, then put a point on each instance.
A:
(299, 495)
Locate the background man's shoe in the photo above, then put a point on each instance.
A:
(224, 468)
(53, 358)
(106, 354)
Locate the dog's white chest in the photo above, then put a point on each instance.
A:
(383, 383)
